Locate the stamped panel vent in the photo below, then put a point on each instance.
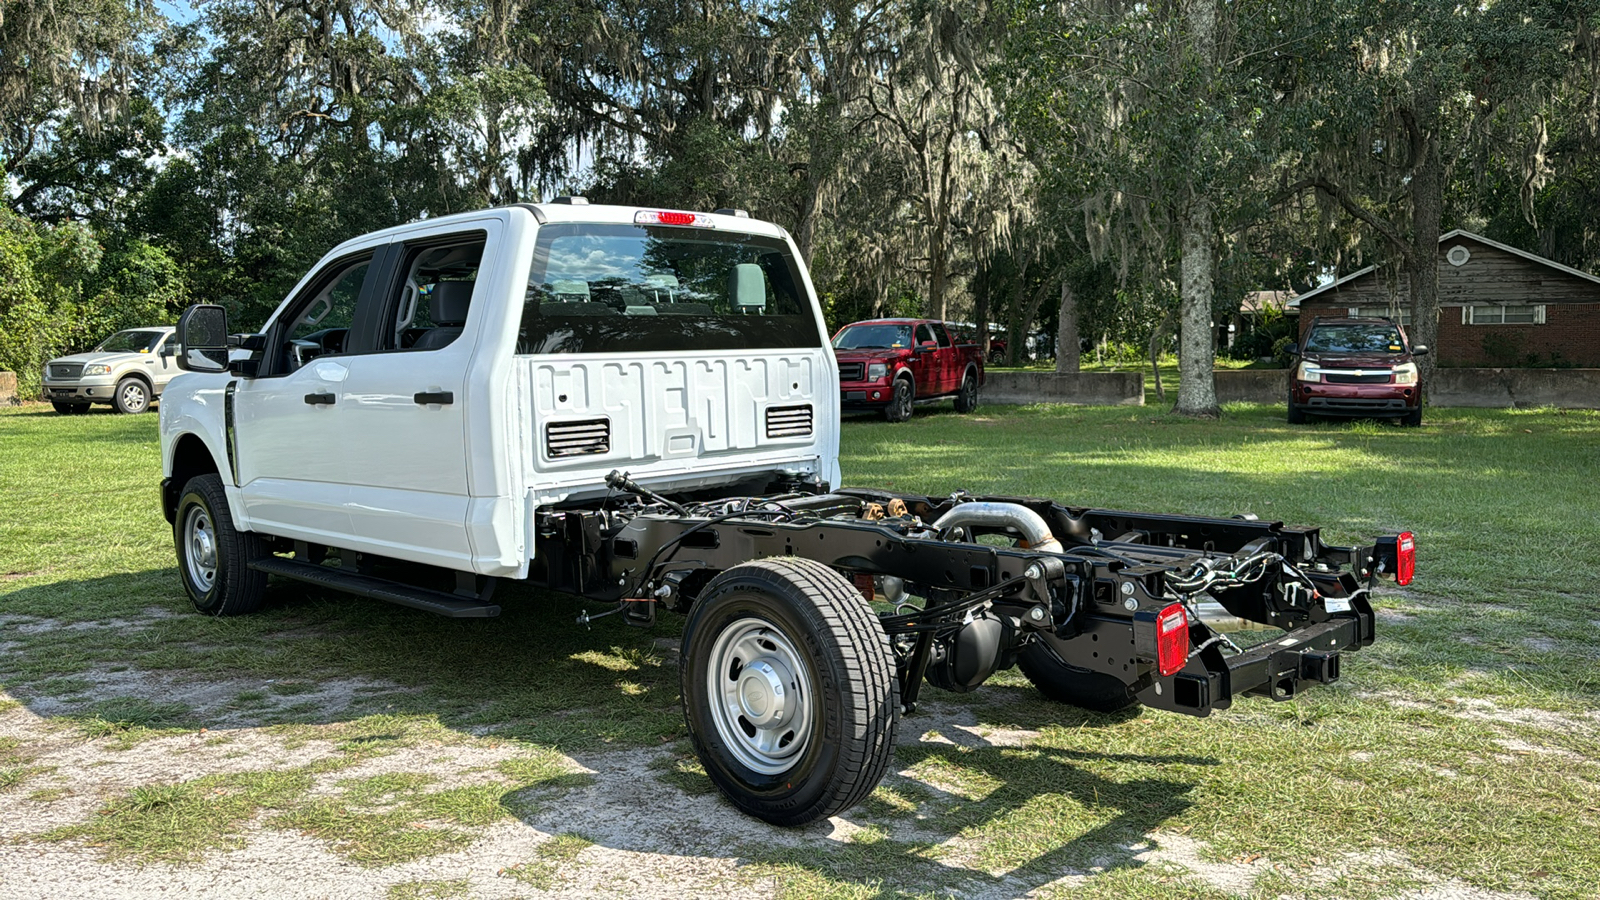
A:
(789, 421)
(580, 438)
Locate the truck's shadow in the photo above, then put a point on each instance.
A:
(122, 653)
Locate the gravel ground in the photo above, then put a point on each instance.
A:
(650, 839)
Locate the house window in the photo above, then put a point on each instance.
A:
(1401, 315)
(1503, 314)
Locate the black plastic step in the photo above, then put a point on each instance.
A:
(378, 588)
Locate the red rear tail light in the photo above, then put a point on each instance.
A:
(1405, 558)
(1172, 640)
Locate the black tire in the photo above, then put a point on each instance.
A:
(1412, 419)
(997, 357)
(132, 396)
(789, 690)
(1296, 416)
(214, 557)
(967, 397)
(901, 401)
(70, 409)
(1065, 683)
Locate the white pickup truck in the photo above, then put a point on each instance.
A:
(641, 407)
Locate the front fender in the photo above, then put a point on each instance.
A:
(194, 407)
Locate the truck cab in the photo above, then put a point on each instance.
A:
(684, 348)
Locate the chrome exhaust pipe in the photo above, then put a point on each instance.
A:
(1035, 531)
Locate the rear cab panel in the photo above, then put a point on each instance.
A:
(630, 352)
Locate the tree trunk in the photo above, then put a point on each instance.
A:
(980, 313)
(1197, 384)
(1155, 353)
(1427, 203)
(1067, 332)
(1017, 321)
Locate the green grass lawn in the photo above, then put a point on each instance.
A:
(1461, 747)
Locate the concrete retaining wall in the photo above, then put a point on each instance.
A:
(1252, 385)
(1083, 389)
(8, 389)
(1571, 388)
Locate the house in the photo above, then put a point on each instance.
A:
(1498, 306)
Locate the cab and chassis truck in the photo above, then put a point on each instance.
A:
(641, 407)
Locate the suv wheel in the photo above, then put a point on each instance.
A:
(1296, 416)
(132, 396)
(1412, 419)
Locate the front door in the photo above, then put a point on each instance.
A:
(294, 449)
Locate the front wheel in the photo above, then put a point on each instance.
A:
(900, 402)
(967, 397)
(1412, 419)
(1296, 416)
(132, 396)
(789, 690)
(213, 556)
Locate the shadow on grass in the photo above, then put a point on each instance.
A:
(312, 657)
(123, 660)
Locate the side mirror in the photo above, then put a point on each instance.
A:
(1419, 350)
(926, 346)
(202, 339)
(166, 349)
(1293, 349)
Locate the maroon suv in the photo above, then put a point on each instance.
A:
(1359, 368)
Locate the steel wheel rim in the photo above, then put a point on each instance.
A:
(133, 396)
(200, 542)
(760, 690)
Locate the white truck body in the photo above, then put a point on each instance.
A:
(341, 452)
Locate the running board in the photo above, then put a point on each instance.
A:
(379, 589)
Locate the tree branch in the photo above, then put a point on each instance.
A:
(1348, 203)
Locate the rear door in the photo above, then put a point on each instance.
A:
(949, 359)
(404, 405)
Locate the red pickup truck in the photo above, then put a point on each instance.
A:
(891, 364)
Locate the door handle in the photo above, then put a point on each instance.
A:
(320, 399)
(429, 398)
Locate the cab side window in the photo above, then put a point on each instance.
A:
(433, 294)
(924, 334)
(942, 333)
(318, 323)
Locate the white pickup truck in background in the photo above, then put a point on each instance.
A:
(641, 407)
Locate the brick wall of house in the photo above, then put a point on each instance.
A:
(1569, 336)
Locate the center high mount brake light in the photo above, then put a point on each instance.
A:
(669, 217)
